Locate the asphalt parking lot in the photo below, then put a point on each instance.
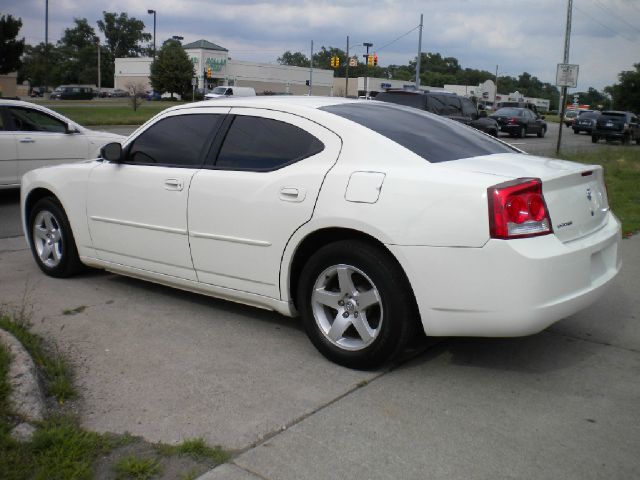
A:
(170, 365)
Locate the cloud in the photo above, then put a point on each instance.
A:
(518, 35)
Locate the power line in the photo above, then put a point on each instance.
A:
(610, 11)
(604, 26)
(401, 36)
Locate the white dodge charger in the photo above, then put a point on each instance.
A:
(373, 221)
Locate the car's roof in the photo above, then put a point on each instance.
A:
(271, 101)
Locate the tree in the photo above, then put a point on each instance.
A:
(123, 35)
(172, 71)
(40, 64)
(626, 93)
(78, 48)
(297, 59)
(10, 49)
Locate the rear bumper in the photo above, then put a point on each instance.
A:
(510, 288)
(612, 134)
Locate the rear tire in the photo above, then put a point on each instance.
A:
(52, 243)
(523, 132)
(626, 140)
(356, 304)
(594, 139)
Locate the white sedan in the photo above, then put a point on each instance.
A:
(373, 221)
(32, 136)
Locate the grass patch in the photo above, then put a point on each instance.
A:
(622, 175)
(57, 373)
(132, 467)
(552, 118)
(99, 114)
(62, 450)
(195, 448)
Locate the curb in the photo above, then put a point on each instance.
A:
(26, 398)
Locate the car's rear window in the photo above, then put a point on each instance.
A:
(510, 112)
(615, 115)
(434, 138)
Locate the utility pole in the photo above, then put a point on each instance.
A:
(419, 56)
(99, 76)
(563, 95)
(46, 47)
(366, 75)
(346, 76)
(495, 93)
(311, 70)
(154, 31)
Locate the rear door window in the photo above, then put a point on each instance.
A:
(264, 144)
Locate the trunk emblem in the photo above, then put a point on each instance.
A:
(589, 194)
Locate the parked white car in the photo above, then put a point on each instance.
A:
(371, 220)
(33, 136)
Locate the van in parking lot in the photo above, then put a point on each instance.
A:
(228, 91)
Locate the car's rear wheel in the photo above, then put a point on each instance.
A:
(52, 242)
(576, 131)
(594, 139)
(523, 132)
(626, 139)
(356, 304)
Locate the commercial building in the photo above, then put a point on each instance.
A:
(209, 58)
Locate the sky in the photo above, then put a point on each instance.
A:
(516, 35)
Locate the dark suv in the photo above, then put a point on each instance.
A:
(614, 125)
(444, 104)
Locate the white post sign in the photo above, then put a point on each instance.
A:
(567, 75)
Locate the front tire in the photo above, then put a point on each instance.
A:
(356, 304)
(542, 132)
(594, 139)
(52, 243)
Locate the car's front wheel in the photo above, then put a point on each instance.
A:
(52, 242)
(594, 139)
(356, 304)
(542, 132)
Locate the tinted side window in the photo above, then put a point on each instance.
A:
(437, 104)
(255, 143)
(27, 120)
(453, 104)
(415, 100)
(434, 138)
(468, 109)
(177, 141)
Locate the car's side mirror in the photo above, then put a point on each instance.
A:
(69, 128)
(541, 117)
(482, 114)
(112, 152)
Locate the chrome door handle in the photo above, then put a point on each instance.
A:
(27, 140)
(173, 184)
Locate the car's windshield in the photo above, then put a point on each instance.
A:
(434, 138)
(219, 90)
(509, 112)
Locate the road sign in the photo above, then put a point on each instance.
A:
(567, 75)
(353, 62)
(194, 81)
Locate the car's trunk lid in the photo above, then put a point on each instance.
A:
(575, 193)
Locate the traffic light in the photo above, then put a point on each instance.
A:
(335, 62)
(208, 72)
(375, 59)
(369, 60)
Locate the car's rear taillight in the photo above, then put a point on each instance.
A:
(517, 209)
(513, 121)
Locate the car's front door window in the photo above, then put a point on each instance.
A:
(177, 141)
(28, 120)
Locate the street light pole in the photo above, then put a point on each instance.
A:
(99, 76)
(46, 47)
(366, 75)
(154, 30)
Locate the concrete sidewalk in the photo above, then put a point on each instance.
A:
(169, 365)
